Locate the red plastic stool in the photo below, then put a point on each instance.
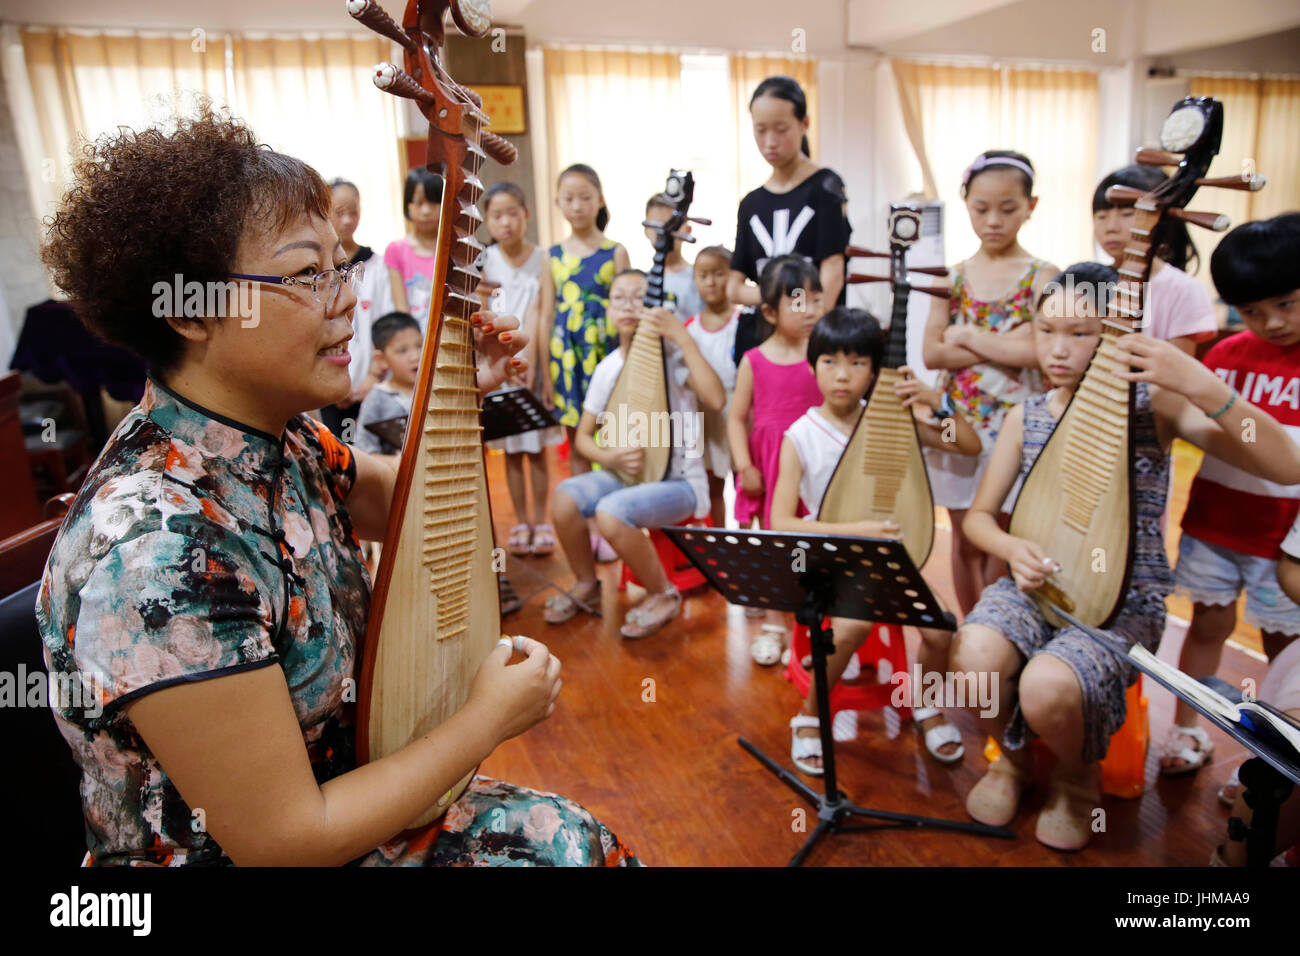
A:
(681, 573)
(884, 646)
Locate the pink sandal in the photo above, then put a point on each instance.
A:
(520, 540)
(543, 539)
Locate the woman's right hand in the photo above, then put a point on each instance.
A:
(548, 389)
(1030, 565)
(516, 696)
(751, 482)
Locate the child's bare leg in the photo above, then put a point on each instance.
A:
(717, 505)
(571, 531)
(849, 636)
(976, 648)
(634, 547)
(932, 656)
(979, 649)
(1202, 650)
(578, 463)
(515, 482)
(967, 565)
(1275, 643)
(1052, 702)
(541, 478)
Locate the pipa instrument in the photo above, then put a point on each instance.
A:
(881, 475)
(435, 612)
(638, 405)
(1077, 501)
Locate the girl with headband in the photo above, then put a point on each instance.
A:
(981, 337)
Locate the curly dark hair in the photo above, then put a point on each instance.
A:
(147, 205)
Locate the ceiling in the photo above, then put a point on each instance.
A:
(1039, 29)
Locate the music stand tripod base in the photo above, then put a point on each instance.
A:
(818, 576)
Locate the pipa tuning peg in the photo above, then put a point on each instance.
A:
(393, 79)
(500, 148)
(1123, 195)
(1157, 157)
(684, 237)
(372, 15)
(929, 270)
(1250, 183)
(1213, 221)
(857, 252)
(937, 293)
(699, 221)
(857, 278)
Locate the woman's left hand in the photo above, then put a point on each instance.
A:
(498, 341)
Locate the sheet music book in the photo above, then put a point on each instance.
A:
(1253, 715)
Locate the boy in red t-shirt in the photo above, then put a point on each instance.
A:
(1235, 523)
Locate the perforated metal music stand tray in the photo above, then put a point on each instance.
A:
(513, 411)
(1267, 778)
(818, 576)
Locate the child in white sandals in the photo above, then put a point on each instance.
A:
(845, 351)
(622, 512)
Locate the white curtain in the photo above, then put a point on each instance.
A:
(310, 98)
(952, 113)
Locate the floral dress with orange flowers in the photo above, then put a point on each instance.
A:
(982, 392)
(197, 548)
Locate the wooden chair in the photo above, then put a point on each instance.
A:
(20, 507)
(23, 555)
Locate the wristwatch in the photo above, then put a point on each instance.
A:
(945, 410)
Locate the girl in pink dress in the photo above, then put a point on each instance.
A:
(775, 381)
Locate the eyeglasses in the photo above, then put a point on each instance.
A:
(324, 286)
(626, 301)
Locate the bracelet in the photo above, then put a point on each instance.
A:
(1226, 405)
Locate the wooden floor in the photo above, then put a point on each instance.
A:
(646, 733)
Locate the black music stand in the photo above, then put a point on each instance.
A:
(392, 431)
(513, 411)
(818, 576)
(1267, 778)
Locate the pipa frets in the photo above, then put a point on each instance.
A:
(881, 475)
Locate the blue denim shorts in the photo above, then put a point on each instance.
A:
(1214, 575)
(651, 505)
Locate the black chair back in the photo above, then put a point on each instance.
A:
(40, 799)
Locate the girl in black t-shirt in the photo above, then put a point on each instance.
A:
(800, 210)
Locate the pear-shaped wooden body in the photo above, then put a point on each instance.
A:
(881, 474)
(1077, 500)
(637, 411)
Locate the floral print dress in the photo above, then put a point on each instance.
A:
(982, 392)
(198, 548)
(581, 336)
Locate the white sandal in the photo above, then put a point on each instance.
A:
(939, 735)
(801, 747)
(766, 648)
(1193, 760)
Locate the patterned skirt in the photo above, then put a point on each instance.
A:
(499, 824)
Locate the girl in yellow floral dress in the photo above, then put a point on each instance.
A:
(572, 306)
